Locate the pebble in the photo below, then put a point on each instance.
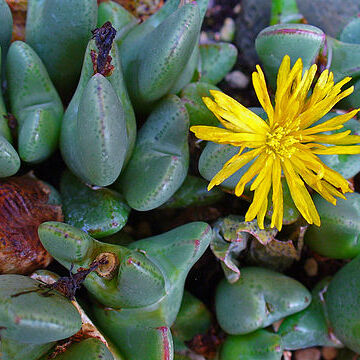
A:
(237, 9)
(311, 267)
(237, 79)
(329, 353)
(204, 38)
(308, 354)
(227, 31)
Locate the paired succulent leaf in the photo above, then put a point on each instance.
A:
(152, 72)
(99, 128)
(160, 160)
(34, 102)
(259, 298)
(144, 286)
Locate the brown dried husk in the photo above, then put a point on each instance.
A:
(18, 9)
(23, 207)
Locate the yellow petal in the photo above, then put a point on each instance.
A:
(336, 139)
(224, 136)
(299, 94)
(259, 204)
(211, 105)
(253, 170)
(300, 194)
(233, 165)
(318, 110)
(283, 71)
(283, 92)
(262, 94)
(339, 150)
(309, 160)
(231, 122)
(335, 179)
(265, 172)
(332, 124)
(277, 196)
(244, 115)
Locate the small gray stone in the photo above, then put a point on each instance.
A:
(237, 79)
(254, 16)
(329, 15)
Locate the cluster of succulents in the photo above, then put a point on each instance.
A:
(109, 99)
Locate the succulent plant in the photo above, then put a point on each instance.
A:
(99, 104)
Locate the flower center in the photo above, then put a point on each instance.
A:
(279, 142)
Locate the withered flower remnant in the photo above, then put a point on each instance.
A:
(104, 37)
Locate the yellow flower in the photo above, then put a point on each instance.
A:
(286, 144)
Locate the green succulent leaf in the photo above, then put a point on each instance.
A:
(69, 133)
(193, 192)
(296, 40)
(216, 61)
(121, 19)
(137, 342)
(101, 132)
(4, 127)
(34, 102)
(142, 275)
(155, 69)
(193, 318)
(338, 235)
(99, 212)
(32, 317)
(351, 32)
(130, 45)
(259, 298)
(192, 96)
(142, 333)
(188, 72)
(14, 350)
(345, 59)
(310, 326)
(59, 30)
(160, 161)
(88, 349)
(9, 158)
(259, 345)
(346, 165)
(284, 11)
(342, 299)
(6, 22)
(344, 62)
